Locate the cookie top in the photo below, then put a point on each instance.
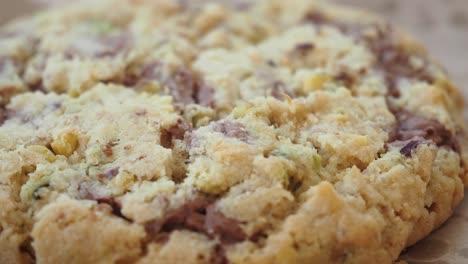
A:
(269, 131)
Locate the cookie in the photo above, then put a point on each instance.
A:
(238, 131)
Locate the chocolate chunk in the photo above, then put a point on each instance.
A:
(346, 78)
(267, 81)
(97, 193)
(38, 87)
(110, 174)
(198, 215)
(320, 19)
(392, 59)
(189, 216)
(218, 255)
(7, 92)
(191, 140)
(3, 115)
(205, 94)
(408, 148)
(114, 204)
(108, 149)
(165, 139)
(55, 105)
(395, 61)
(183, 85)
(294, 185)
(232, 129)
(317, 18)
(153, 228)
(186, 88)
(304, 48)
(27, 249)
(227, 229)
(279, 90)
(410, 126)
(149, 72)
(176, 131)
(271, 63)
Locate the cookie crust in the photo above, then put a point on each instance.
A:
(222, 132)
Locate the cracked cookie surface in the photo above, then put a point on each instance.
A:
(137, 131)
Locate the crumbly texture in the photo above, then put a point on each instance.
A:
(163, 131)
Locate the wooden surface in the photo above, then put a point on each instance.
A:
(443, 26)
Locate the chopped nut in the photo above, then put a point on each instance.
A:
(65, 144)
(314, 81)
(48, 155)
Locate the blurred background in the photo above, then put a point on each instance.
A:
(442, 25)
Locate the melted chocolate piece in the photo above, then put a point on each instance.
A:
(227, 229)
(110, 174)
(411, 127)
(114, 204)
(317, 18)
(55, 105)
(232, 130)
(198, 215)
(108, 149)
(346, 78)
(90, 192)
(189, 216)
(191, 140)
(279, 89)
(182, 84)
(3, 115)
(271, 63)
(408, 148)
(205, 94)
(27, 249)
(218, 255)
(320, 19)
(294, 185)
(271, 85)
(186, 88)
(394, 61)
(304, 48)
(176, 131)
(183, 87)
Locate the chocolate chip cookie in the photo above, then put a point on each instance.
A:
(269, 131)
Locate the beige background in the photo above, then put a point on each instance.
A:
(443, 26)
